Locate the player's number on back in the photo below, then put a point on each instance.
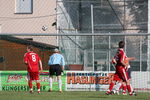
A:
(33, 58)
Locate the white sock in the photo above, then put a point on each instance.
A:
(117, 86)
(38, 89)
(131, 87)
(50, 83)
(60, 84)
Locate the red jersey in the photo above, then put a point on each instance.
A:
(32, 60)
(120, 68)
(119, 57)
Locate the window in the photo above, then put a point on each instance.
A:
(24, 6)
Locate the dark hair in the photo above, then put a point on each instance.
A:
(121, 44)
(30, 47)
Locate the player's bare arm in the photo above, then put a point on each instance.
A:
(113, 61)
(62, 68)
(40, 63)
(124, 64)
(130, 58)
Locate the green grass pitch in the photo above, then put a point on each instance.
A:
(69, 95)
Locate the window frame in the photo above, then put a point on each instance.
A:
(23, 12)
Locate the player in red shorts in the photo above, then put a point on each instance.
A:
(116, 79)
(119, 86)
(120, 68)
(33, 62)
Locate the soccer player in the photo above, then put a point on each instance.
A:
(120, 68)
(33, 62)
(56, 66)
(116, 80)
(123, 86)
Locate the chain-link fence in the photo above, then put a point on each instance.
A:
(77, 50)
(86, 31)
(104, 16)
(81, 51)
(81, 17)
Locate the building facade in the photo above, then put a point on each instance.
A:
(29, 16)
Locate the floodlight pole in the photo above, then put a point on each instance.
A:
(148, 46)
(140, 54)
(109, 53)
(92, 27)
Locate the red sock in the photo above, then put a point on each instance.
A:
(30, 84)
(38, 85)
(111, 86)
(124, 87)
(129, 88)
(121, 87)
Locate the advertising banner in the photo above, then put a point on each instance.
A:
(88, 80)
(71, 81)
(141, 81)
(18, 81)
(99, 81)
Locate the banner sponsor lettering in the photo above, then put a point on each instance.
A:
(87, 80)
(18, 81)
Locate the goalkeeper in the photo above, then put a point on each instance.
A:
(56, 66)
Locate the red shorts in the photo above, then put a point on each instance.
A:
(33, 75)
(116, 77)
(122, 74)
